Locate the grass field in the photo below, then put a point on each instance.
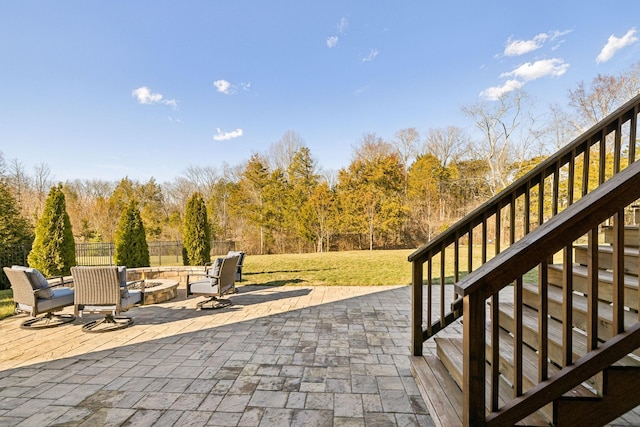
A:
(6, 303)
(352, 268)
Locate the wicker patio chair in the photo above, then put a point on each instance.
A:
(34, 294)
(240, 255)
(104, 290)
(218, 280)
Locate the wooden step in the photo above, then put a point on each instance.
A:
(605, 283)
(580, 316)
(441, 394)
(631, 235)
(555, 350)
(619, 396)
(605, 257)
(450, 354)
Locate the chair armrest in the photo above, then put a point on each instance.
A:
(61, 281)
(203, 274)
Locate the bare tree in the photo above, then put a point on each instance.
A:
(204, 179)
(20, 183)
(280, 154)
(446, 145)
(3, 166)
(506, 126)
(372, 147)
(407, 146)
(41, 184)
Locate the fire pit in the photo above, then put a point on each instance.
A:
(157, 290)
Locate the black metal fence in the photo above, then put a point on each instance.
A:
(161, 253)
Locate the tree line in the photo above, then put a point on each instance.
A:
(394, 193)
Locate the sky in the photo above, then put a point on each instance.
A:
(140, 89)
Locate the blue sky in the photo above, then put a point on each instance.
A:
(147, 88)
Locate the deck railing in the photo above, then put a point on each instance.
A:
(534, 250)
(551, 187)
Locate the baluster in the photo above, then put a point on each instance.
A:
(618, 272)
(543, 321)
(586, 160)
(442, 287)
(633, 123)
(592, 289)
(517, 338)
(474, 370)
(495, 351)
(417, 307)
(571, 178)
(567, 305)
(603, 157)
(617, 146)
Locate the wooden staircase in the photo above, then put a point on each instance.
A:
(547, 330)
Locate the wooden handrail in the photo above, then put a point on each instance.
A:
(560, 231)
(509, 266)
(529, 189)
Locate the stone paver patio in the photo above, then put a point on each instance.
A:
(294, 355)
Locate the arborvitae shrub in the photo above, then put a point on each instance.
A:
(131, 241)
(197, 232)
(54, 249)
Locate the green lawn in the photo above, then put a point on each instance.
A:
(6, 303)
(356, 268)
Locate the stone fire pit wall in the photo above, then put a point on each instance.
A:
(178, 273)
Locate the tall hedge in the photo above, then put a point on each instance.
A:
(197, 232)
(131, 241)
(54, 248)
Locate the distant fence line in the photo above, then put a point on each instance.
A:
(160, 252)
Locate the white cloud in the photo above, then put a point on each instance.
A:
(227, 88)
(223, 86)
(342, 25)
(144, 96)
(225, 136)
(495, 92)
(535, 70)
(614, 44)
(371, 56)
(520, 47)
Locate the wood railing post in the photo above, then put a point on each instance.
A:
(473, 390)
(416, 308)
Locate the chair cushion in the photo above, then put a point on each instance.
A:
(204, 286)
(62, 297)
(38, 281)
(214, 269)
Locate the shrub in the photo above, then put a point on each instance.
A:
(54, 249)
(131, 241)
(197, 232)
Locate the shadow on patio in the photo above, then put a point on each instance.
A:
(291, 356)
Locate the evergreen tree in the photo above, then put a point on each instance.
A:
(54, 249)
(197, 232)
(131, 241)
(14, 228)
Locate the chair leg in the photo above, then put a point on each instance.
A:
(48, 320)
(213, 303)
(108, 324)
